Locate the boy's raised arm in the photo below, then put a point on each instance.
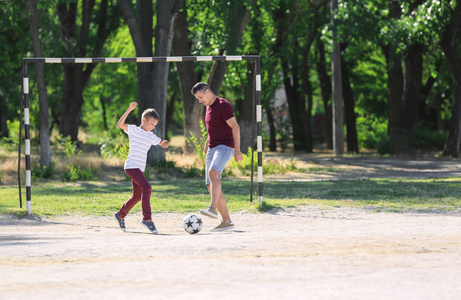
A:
(121, 122)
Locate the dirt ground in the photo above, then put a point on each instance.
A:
(311, 252)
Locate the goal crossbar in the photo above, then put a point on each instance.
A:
(177, 59)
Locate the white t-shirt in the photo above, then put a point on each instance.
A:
(140, 143)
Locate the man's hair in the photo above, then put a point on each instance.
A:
(150, 113)
(200, 86)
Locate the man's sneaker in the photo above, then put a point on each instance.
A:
(150, 225)
(223, 226)
(209, 212)
(121, 222)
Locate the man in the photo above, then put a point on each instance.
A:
(222, 143)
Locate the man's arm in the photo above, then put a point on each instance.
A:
(232, 122)
(121, 122)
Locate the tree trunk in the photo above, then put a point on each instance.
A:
(169, 113)
(45, 151)
(325, 88)
(193, 111)
(152, 77)
(307, 89)
(76, 76)
(72, 100)
(3, 119)
(272, 130)
(394, 73)
(408, 114)
(166, 13)
(309, 132)
(338, 123)
(236, 19)
(448, 44)
(296, 103)
(348, 94)
(246, 117)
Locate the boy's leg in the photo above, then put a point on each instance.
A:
(143, 190)
(135, 198)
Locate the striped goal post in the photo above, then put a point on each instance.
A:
(177, 59)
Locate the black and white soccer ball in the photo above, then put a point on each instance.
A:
(192, 224)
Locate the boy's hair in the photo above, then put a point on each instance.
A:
(200, 86)
(150, 113)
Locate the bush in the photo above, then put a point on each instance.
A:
(372, 134)
(115, 144)
(43, 172)
(77, 173)
(198, 144)
(8, 144)
(192, 172)
(66, 146)
(424, 137)
(269, 167)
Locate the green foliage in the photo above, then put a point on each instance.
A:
(115, 144)
(111, 86)
(372, 133)
(168, 169)
(424, 137)
(8, 144)
(269, 167)
(198, 144)
(77, 173)
(164, 166)
(43, 172)
(193, 172)
(67, 146)
(275, 29)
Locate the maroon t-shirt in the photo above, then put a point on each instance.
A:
(219, 133)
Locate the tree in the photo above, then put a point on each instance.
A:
(14, 42)
(338, 131)
(80, 40)
(193, 110)
(45, 151)
(448, 44)
(225, 36)
(348, 95)
(290, 50)
(152, 77)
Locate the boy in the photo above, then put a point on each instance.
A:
(141, 139)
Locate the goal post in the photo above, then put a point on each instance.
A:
(177, 59)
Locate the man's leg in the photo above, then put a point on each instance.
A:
(216, 159)
(218, 200)
(215, 187)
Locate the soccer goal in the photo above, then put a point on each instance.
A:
(177, 59)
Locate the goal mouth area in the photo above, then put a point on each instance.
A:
(177, 59)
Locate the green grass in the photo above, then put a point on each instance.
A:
(189, 195)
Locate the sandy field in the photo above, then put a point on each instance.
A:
(310, 252)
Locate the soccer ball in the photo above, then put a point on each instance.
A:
(192, 224)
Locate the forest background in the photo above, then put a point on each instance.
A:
(399, 70)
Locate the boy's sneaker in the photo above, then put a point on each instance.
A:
(209, 212)
(150, 225)
(121, 222)
(223, 226)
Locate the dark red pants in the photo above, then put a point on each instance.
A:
(141, 192)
